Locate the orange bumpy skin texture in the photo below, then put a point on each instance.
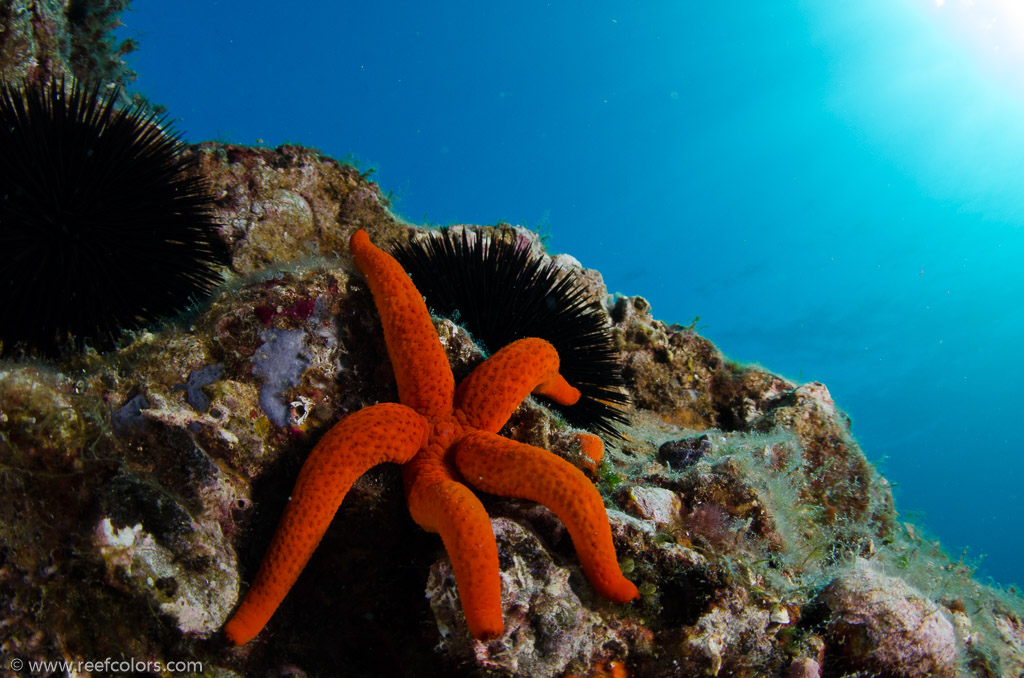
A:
(592, 447)
(440, 434)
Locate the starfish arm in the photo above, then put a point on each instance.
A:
(386, 432)
(493, 391)
(592, 448)
(440, 504)
(501, 466)
(424, 378)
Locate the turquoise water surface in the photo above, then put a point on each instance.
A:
(834, 188)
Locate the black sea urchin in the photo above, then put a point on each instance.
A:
(499, 291)
(102, 228)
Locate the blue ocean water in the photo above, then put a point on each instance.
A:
(834, 188)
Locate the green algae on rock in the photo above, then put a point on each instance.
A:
(44, 40)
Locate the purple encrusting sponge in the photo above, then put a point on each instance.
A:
(280, 360)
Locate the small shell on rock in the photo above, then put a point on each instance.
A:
(779, 615)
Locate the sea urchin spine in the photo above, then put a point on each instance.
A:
(102, 226)
(500, 291)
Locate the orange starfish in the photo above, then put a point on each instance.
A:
(446, 438)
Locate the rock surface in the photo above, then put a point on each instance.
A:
(878, 623)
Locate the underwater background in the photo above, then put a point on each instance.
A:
(833, 188)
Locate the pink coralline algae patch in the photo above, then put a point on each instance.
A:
(300, 310)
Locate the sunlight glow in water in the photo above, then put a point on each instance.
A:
(993, 29)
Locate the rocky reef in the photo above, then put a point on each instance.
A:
(64, 39)
(142, 485)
